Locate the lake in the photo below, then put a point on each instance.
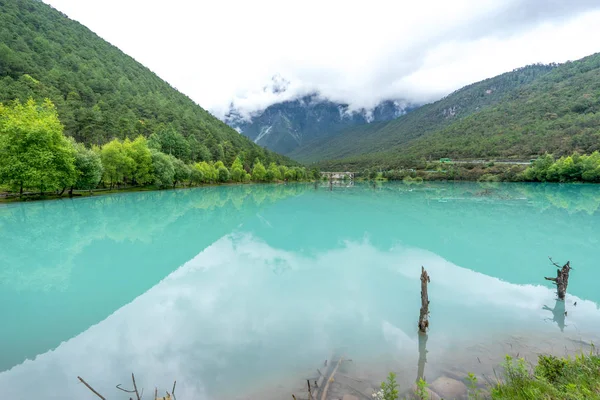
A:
(244, 291)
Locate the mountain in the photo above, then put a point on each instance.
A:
(384, 142)
(284, 126)
(100, 92)
(517, 115)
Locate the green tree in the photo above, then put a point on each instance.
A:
(116, 162)
(290, 174)
(164, 171)
(33, 150)
(172, 142)
(591, 168)
(237, 170)
(88, 166)
(273, 173)
(223, 173)
(208, 170)
(139, 152)
(282, 171)
(539, 170)
(196, 175)
(198, 151)
(182, 171)
(259, 172)
(315, 173)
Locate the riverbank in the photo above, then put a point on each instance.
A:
(9, 197)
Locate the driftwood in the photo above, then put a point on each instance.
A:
(138, 395)
(424, 313)
(562, 278)
(91, 388)
(331, 378)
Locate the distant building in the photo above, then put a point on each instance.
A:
(338, 175)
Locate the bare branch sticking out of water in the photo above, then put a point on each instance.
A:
(562, 279)
(125, 390)
(424, 312)
(137, 394)
(91, 388)
(552, 261)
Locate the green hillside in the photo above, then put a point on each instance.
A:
(101, 93)
(518, 115)
(373, 138)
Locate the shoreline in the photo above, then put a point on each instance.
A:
(10, 198)
(32, 197)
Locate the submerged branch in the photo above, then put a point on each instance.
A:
(91, 388)
(125, 390)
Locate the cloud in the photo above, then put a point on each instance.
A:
(229, 51)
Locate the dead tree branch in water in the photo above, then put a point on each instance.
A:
(91, 388)
(125, 390)
(562, 278)
(331, 378)
(138, 395)
(424, 312)
(552, 261)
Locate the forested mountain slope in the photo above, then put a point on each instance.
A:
(520, 114)
(427, 119)
(100, 92)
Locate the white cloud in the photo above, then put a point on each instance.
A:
(223, 51)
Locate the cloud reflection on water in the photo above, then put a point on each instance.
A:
(242, 312)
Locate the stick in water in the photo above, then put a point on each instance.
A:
(91, 388)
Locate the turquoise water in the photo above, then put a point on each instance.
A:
(234, 287)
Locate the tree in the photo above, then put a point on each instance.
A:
(258, 171)
(172, 142)
(223, 173)
(88, 166)
(591, 167)
(196, 175)
(237, 170)
(539, 170)
(209, 172)
(282, 171)
(164, 171)
(33, 150)
(117, 163)
(198, 151)
(290, 174)
(315, 173)
(273, 173)
(182, 171)
(139, 152)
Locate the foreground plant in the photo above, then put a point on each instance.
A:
(389, 389)
(473, 392)
(422, 392)
(553, 378)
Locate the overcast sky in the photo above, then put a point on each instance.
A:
(224, 51)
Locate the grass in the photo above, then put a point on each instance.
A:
(570, 378)
(554, 378)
